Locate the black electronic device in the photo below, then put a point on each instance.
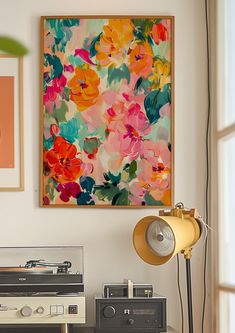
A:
(131, 315)
(121, 290)
(37, 276)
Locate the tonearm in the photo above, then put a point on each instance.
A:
(61, 267)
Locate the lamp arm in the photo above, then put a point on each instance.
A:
(187, 253)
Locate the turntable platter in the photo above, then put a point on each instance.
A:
(24, 270)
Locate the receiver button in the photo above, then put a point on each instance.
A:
(40, 310)
(109, 311)
(130, 321)
(59, 309)
(53, 310)
(73, 309)
(26, 311)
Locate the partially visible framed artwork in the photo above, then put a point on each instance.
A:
(11, 123)
(107, 111)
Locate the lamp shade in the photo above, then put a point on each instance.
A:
(159, 238)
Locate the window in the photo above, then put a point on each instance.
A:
(224, 163)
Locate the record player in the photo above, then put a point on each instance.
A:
(37, 277)
(42, 291)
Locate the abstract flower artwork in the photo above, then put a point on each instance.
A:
(107, 111)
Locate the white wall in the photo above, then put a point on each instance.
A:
(105, 233)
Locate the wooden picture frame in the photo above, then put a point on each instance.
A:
(107, 111)
(11, 123)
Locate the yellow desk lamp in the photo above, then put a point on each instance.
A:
(157, 239)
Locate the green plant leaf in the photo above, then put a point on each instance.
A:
(84, 198)
(12, 46)
(121, 198)
(61, 30)
(150, 201)
(114, 179)
(87, 183)
(47, 188)
(59, 114)
(106, 192)
(91, 145)
(55, 62)
(93, 50)
(139, 34)
(117, 74)
(51, 193)
(131, 170)
(47, 143)
(142, 84)
(155, 100)
(144, 24)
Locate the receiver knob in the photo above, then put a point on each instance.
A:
(130, 321)
(109, 311)
(26, 311)
(40, 310)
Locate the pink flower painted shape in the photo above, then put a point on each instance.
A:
(68, 190)
(85, 55)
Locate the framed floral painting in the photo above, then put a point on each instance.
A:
(107, 118)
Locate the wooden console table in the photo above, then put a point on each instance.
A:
(53, 329)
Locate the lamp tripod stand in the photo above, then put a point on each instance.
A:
(187, 256)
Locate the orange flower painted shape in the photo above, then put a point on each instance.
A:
(124, 30)
(114, 42)
(141, 59)
(62, 161)
(84, 87)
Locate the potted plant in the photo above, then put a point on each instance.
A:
(12, 46)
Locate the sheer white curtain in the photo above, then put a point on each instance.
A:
(225, 159)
